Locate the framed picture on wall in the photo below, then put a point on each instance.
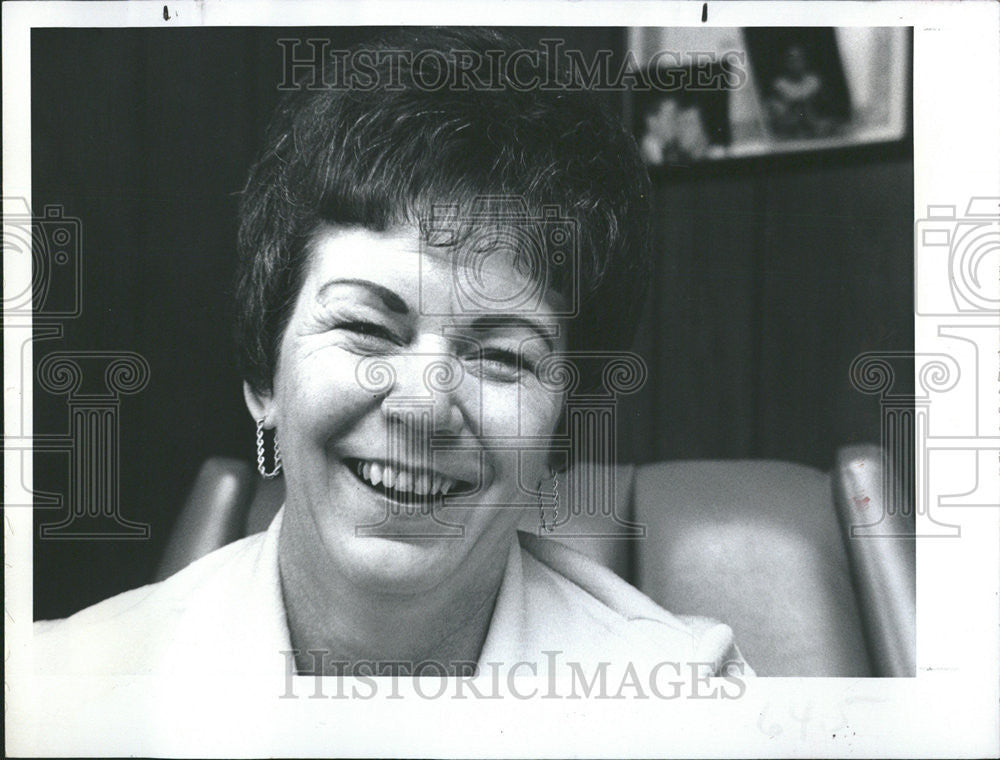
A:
(781, 90)
(681, 114)
(802, 87)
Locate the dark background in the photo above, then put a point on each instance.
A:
(773, 274)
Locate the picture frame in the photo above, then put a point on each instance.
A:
(860, 81)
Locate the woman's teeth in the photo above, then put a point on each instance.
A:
(407, 481)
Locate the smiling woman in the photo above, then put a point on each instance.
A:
(346, 451)
(419, 268)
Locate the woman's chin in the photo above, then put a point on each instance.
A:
(380, 545)
(399, 565)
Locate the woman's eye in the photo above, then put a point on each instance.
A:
(500, 364)
(370, 332)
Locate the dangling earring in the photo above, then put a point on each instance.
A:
(544, 527)
(261, 467)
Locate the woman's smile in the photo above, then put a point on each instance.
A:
(400, 482)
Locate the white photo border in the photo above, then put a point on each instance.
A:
(948, 710)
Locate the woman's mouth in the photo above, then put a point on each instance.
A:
(406, 485)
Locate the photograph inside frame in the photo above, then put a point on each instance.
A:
(575, 339)
(722, 93)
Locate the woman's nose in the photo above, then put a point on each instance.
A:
(424, 392)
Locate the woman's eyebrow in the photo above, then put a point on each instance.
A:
(501, 321)
(390, 299)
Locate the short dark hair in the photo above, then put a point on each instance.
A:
(381, 156)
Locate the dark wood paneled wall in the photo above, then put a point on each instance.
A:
(772, 277)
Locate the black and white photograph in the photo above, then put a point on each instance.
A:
(498, 383)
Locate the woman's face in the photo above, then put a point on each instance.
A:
(380, 353)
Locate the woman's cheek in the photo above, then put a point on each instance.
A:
(513, 409)
(501, 409)
(539, 409)
(323, 393)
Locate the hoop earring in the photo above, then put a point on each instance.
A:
(261, 467)
(544, 527)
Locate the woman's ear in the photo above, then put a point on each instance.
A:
(260, 405)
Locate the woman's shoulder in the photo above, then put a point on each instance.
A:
(127, 632)
(593, 604)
